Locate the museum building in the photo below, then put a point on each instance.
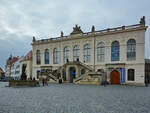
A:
(117, 53)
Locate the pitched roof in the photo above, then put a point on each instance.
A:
(14, 59)
(28, 56)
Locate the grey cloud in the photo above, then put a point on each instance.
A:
(21, 19)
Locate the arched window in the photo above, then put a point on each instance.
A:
(76, 52)
(87, 53)
(55, 56)
(130, 74)
(131, 49)
(66, 54)
(38, 57)
(46, 56)
(101, 52)
(115, 51)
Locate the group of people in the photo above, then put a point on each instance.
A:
(44, 82)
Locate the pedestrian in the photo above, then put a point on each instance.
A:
(146, 83)
(33, 78)
(46, 81)
(43, 81)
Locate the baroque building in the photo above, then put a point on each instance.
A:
(117, 53)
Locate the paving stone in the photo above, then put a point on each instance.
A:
(70, 98)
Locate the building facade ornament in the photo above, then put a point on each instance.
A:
(33, 40)
(93, 28)
(62, 34)
(76, 30)
(142, 21)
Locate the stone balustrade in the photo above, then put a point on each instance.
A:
(99, 32)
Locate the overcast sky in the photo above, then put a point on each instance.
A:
(22, 19)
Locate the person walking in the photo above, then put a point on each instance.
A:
(43, 81)
(146, 83)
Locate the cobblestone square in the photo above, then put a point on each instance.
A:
(70, 98)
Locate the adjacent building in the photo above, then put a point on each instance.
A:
(147, 70)
(8, 65)
(16, 69)
(27, 62)
(118, 52)
(1, 73)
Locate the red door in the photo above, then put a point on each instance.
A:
(115, 77)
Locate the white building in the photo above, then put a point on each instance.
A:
(119, 52)
(8, 65)
(16, 69)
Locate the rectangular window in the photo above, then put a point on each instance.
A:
(130, 74)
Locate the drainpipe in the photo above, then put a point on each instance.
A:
(93, 30)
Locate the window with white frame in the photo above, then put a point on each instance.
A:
(76, 52)
(115, 51)
(55, 56)
(66, 54)
(101, 52)
(87, 53)
(46, 56)
(131, 49)
(38, 57)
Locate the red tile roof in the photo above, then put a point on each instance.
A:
(28, 56)
(14, 59)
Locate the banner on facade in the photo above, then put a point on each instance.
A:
(122, 75)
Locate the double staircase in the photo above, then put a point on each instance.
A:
(49, 73)
(86, 67)
(55, 74)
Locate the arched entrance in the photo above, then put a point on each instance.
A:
(72, 72)
(115, 77)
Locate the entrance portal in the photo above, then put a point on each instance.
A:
(72, 74)
(115, 77)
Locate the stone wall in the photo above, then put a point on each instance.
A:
(17, 83)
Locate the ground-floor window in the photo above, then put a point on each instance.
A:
(131, 74)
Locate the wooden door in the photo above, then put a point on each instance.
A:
(115, 77)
